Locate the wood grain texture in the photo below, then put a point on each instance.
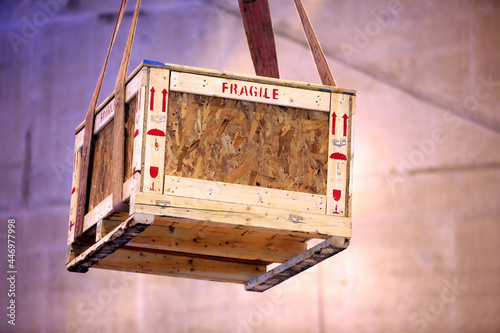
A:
(256, 17)
(215, 242)
(246, 143)
(244, 217)
(167, 263)
(283, 95)
(102, 163)
(244, 194)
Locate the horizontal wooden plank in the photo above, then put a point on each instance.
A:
(294, 266)
(250, 91)
(128, 188)
(171, 264)
(246, 77)
(244, 245)
(244, 194)
(103, 209)
(247, 217)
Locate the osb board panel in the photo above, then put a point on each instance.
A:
(247, 143)
(100, 178)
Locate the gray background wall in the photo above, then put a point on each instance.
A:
(424, 255)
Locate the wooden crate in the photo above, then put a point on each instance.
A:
(225, 175)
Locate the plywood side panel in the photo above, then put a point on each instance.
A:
(246, 143)
(100, 180)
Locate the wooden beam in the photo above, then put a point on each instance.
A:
(130, 259)
(256, 17)
(300, 263)
(268, 93)
(242, 245)
(319, 57)
(248, 195)
(245, 217)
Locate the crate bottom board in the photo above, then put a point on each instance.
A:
(142, 246)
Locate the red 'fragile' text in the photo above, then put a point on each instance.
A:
(251, 91)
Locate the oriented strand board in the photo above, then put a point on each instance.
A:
(246, 143)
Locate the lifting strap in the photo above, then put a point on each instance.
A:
(89, 120)
(119, 120)
(317, 52)
(256, 17)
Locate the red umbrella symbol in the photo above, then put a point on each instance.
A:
(156, 132)
(338, 156)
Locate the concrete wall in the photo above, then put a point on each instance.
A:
(425, 247)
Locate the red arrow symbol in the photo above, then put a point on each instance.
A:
(164, 103)
(334, 119)
(152, 99)
(345, 124)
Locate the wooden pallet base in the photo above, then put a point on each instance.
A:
(151, 244)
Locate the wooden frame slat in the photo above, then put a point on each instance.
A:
(294, 266)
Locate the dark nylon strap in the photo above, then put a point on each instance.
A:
(119, 120)
(256, 17)
(319, 57)
(87, 138)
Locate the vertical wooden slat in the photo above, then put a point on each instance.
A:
(156, 121)
(318, 55)
(119, 120)
(87, 138)
(77, 164)
(350, 156)
(256, 17)
(338, 155)
(139, 133)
